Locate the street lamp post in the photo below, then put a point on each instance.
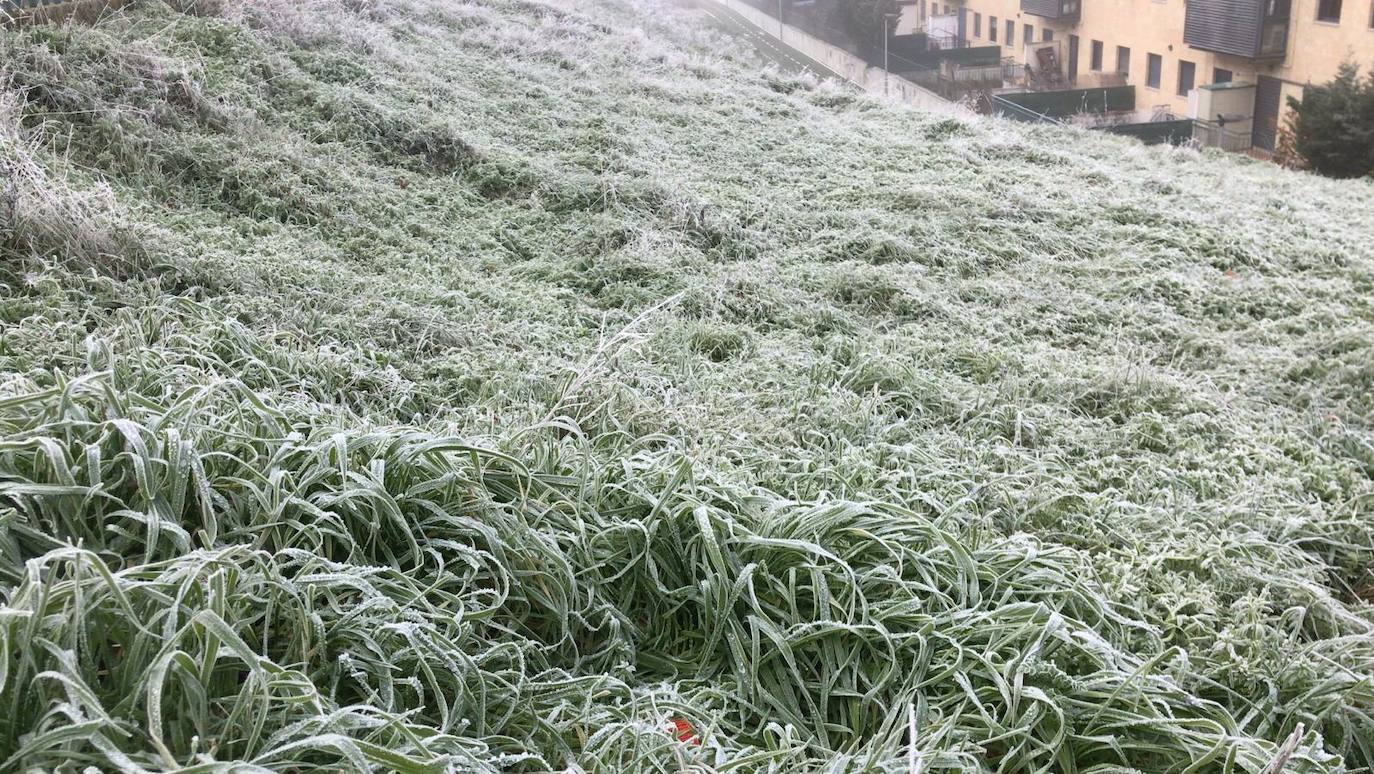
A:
(888, 18)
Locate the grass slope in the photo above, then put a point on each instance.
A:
(488, 384)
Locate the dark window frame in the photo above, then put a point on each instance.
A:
(1274, 26)
(1011, 34)
(1186, 85)
(1329, 11)
(977, 24)
(1095, 59)
(1071, 57)
(992, 29)
(1123, 60)
(1154, 71)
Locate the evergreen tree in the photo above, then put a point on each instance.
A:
(1333, 124)
(865, 18)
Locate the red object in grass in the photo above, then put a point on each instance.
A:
(684, 730)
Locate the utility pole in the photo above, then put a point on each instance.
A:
(779, 19)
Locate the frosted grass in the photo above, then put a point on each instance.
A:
(489, 386)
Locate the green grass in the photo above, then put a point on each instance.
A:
(487, 385)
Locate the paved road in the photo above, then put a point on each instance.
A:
(768, 46)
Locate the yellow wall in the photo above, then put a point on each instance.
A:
(1315, 49)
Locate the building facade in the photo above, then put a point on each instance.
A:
(1169, 49)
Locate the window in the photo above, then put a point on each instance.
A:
(1329, 11)
(1011, 33)
(1154, 70)
(1123, 60)
(992, 28)
(1222, 75)
(1187, 73)
(1029, 34)
(1073, 59)
(1049, 35)
(1096, 63)
(978, 25)
(1371, 16)
(1274, 26)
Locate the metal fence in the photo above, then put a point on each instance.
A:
(1001, 106)
(1070, 102)
(985, 76)
(1228, 137)
(1175, 132)
(954, 81)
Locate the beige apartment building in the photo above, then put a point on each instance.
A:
(1175, 51)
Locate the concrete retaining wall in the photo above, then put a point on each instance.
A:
(844, 64)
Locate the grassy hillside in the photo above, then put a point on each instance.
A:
(499, 384)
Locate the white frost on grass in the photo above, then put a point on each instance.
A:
(510, 377)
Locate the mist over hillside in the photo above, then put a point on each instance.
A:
(512, 385)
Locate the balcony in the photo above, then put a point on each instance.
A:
(1053, 9)
(1254, 29)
